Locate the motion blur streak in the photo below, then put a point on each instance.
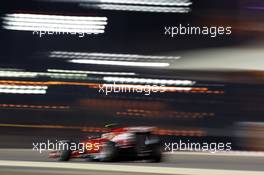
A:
(22, 106)
(47, 83)
(54, 23)
(23, 87)
(13, 89)
(44, 126)
(198, 133)
(129, 88)
(91, 72)
(144, 2)
(11, 69)
(156, 113)
(149, 81)
(56, 17)
(109, 56)
(114, 59)
(138, 8)
(23, 74)
(120, 63)
(177, 6)
(97, 85)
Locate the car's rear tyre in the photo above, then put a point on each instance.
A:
(156, 155)
(108, 152)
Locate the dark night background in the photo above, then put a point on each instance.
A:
(218, 64)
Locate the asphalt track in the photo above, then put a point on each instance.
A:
(26, 161)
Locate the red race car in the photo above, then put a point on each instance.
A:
(127, 143)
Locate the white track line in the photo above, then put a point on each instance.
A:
(126, 168)
(228, 154)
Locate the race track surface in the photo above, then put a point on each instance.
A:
(26, 161)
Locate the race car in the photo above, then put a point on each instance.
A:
(125, 143)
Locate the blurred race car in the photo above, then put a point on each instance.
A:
(127, 143)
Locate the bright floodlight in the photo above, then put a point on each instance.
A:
(138, 8)
(90, 72)
(115, 59)
(161, 6)
(120, 63)
(54, 23)
(149, 81)
(16, 89)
